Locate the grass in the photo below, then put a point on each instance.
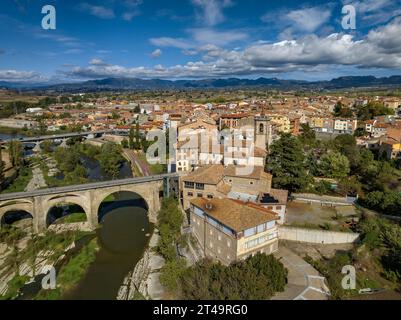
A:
(73, 218)
(14, 287)
(70, 274)
(156, 168)
(21, 181)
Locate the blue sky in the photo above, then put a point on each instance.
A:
(198, 39)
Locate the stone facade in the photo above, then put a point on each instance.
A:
(90, 200)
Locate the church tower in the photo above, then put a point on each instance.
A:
(263, 132)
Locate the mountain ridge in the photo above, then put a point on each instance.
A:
(121, 83)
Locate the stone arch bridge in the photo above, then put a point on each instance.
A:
(89, 196)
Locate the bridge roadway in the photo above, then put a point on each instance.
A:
(65, 135)
(86, 186)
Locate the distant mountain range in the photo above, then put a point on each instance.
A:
(152, 84)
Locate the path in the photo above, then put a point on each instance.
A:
(304, 282)
(37, 181)
(136, 161)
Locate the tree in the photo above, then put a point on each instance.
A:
(110, 159)
(256, 278)
(131, 137)
(42, 127)
(137, 138)
(15, 150)
(308, 135)
(334, 165)
(2, 167)
(124, 143)
(342, 111)
(286, 161)
(46, 146)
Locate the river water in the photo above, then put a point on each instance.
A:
(123, 238)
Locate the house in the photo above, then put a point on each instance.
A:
(250, 184)
(230, 230)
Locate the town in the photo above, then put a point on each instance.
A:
(167, 153)
(250, 175)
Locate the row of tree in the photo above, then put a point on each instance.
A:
(295, 161)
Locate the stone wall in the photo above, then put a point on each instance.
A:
(316, 236)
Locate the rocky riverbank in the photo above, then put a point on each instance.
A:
(144, 281)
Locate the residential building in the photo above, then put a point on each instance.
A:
(230, 230)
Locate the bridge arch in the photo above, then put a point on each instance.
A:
(16, 206)
(66, 199)
(11, 216)
(132, 199)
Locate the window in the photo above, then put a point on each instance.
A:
(228, 243)
(250, 182)
(210, 196)
(211, 232)
(199, 195)
(249, 232)
(261, 128)
(189, 184)
(190, 194)
(200, 186)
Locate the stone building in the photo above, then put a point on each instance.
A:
(230, 230)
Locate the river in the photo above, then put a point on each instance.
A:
(123, 238)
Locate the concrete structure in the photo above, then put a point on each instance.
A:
(89, 196)
(316, 236)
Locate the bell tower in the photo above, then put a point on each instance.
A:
(263, 132)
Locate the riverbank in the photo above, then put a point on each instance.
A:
(24, 255)
(144, 281)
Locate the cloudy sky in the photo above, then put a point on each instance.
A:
(198, 39)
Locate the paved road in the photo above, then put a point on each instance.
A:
(304, 281)
(86, 186)
(137, 162)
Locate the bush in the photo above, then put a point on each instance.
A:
(257, 278)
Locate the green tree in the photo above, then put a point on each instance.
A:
(286, 161)
(110, 159)
(15, 150)
(334, 165)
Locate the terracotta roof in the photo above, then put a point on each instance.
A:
(209, 174)
(235, 115)
(232, 171)
(235, 214)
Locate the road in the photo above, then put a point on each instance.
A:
(137, 162)
(86, 186)
(304, 281)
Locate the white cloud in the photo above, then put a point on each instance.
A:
(221, 38)
(298, 21)
(15, 76)
(156, 54)
(179, 43)
(97, 62)
(211, 11)
(309, 19)
(375, 12)
(129, 15)
(97, 11)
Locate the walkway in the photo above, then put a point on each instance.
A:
(304, 282)
(37, 181)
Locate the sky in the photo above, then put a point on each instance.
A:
(197, 39)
